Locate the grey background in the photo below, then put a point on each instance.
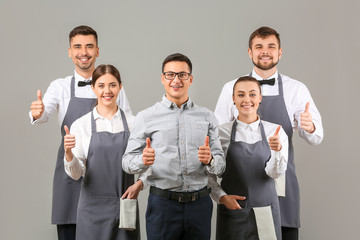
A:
(320, 41)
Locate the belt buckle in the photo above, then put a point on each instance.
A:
(182, 198)
(193, 196)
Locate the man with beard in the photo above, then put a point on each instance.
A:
(286, 102)
(71, 97)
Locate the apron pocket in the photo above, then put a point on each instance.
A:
(101, 211)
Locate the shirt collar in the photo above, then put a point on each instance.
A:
(255, 75)
(98, 116)
(188, 104)
(253, 126)
(79, 78)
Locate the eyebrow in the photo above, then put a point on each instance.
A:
(253, 90)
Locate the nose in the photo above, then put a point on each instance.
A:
(176, 79)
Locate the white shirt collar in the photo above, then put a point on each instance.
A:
(98, 116)
(255, 75)
(253, 126)
(78, 77)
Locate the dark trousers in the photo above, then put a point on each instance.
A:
(66, 231)
(289, 233)
(172, 220)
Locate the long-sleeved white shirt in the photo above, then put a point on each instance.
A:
(81, 128)
(296, 95)
(58, 94)
(251, 133)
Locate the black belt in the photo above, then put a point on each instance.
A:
(180, 196)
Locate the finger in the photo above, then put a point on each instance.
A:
(277, 131)
(125, 194)
(66, 130)
(207, 141)
(38, 94)
(148, 143)
(307, 107)
(237, 197)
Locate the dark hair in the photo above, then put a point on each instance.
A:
(103, 69)
(264, 32)
(83, 30)
(177, 57)
(246, 79)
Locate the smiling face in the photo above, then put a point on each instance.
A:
(83, 51)
(247, 97)
(265, 53)
(107, 89)
(177, 91)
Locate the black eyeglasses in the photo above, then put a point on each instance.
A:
(181, 75)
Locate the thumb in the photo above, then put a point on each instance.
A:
(148, 143)
(307, 107)
(277, 131)
(38, 93)
(66, 130)
(206, 141)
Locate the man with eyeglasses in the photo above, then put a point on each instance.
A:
(175, 143)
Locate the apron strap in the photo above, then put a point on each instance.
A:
(93, 124)
(233, 131)
(126, 128)
(72, 87)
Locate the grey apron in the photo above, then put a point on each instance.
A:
(273, 109)
(245, 176)
(104, 183)
(66, 190)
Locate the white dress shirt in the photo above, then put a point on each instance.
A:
(58, 94)
(296, 95)
(81, 128)
(251, 133)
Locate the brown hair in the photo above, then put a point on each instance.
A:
(83, 30)
(246, 79)
(177, 57)
(264, 32)
(103, 69)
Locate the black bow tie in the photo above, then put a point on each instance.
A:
(84, 83)
(270, 81)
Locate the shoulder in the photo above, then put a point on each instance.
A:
(270, 128)
(129, 117)
(291, 83)
(61, 82)
(225, 129)
(203, 111)
(81, 124)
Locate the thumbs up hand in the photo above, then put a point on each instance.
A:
(69, 143)
(205, 152)
(306, 120)
(274, 141)
(148, 153)
(37, 107)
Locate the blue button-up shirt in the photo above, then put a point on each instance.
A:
(176, 134)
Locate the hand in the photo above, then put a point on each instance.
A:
(148, 153)
(133, 191)
(205, 152)
(306, 120)
(274, 141)
(37, 107)
(230, 201)
(69, 143)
